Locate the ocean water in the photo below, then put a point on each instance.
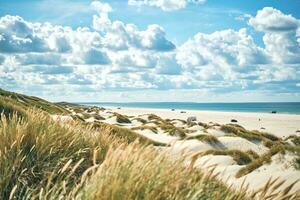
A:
(282, 107)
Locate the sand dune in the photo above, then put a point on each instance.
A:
(206, 134)
(281, 125)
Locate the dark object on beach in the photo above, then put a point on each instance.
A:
(182, 112)
(192, 119)
(274, 112)
(119, 108)
(259, 119)
(262, 128)
(234, 120)
(297, 131)
(173, 109)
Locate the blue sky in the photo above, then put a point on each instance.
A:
(157, 50)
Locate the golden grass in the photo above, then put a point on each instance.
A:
(143, 127)
(266, 138)
(213, 140)
(32, 102)
(143, 121)
(125, 134)
(241, 158)
(263, 159)
(122, 118)
(294, 139)
(124, 175)
(35, 149)
(204, 125)
(44, 159)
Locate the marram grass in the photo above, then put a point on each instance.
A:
(44, 159)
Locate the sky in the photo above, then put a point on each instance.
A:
(151, 50)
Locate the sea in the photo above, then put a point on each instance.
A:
(265, 107)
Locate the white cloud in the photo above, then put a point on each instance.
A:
(17, 35)
(168, 65)
(225, 49)
(133, 58)
(94, 56)
(165, 5)
(281, 39)
(38, 58)
(120, 36)
(272, 20)
(115, 56)
(49, 69)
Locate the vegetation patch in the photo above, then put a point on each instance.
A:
(143, 121)
(122, 118)
(173, 130)
(154, 117)
(268, 139)
(241, 158)
(124, 175)
(125, 134)
(204, 125)
(265, 158)
(294, 139)
(151, 128)
(44, 159)
(8, 107)
(206, 138)
(252, 154)
(34, 102)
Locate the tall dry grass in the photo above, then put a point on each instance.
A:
(134, 172)
(34, 150)
(44, 159)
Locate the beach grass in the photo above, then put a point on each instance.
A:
(241, 158)
(45, 159)
(213, 140)
(41, 158)
(122, 118)
(261, 160)
(266, 138)
(30, 102)
(143, 127)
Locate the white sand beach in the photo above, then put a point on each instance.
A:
(206, 133)
(281, 125)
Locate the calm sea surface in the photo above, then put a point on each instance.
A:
(282, 107)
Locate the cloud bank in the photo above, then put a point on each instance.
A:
(165, 5)
(115, 56)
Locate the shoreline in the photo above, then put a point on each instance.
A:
(193, 109)
(278, 124)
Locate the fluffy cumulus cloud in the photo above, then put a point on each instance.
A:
(114, 56)
(165, 5)
(19, 36)
(272, 20)
(120, 36)
(281, 37)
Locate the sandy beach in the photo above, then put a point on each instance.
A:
(281, 125)
(228, 141)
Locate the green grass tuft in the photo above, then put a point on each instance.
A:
(122, 118)
(206, 138)
(241, 158)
